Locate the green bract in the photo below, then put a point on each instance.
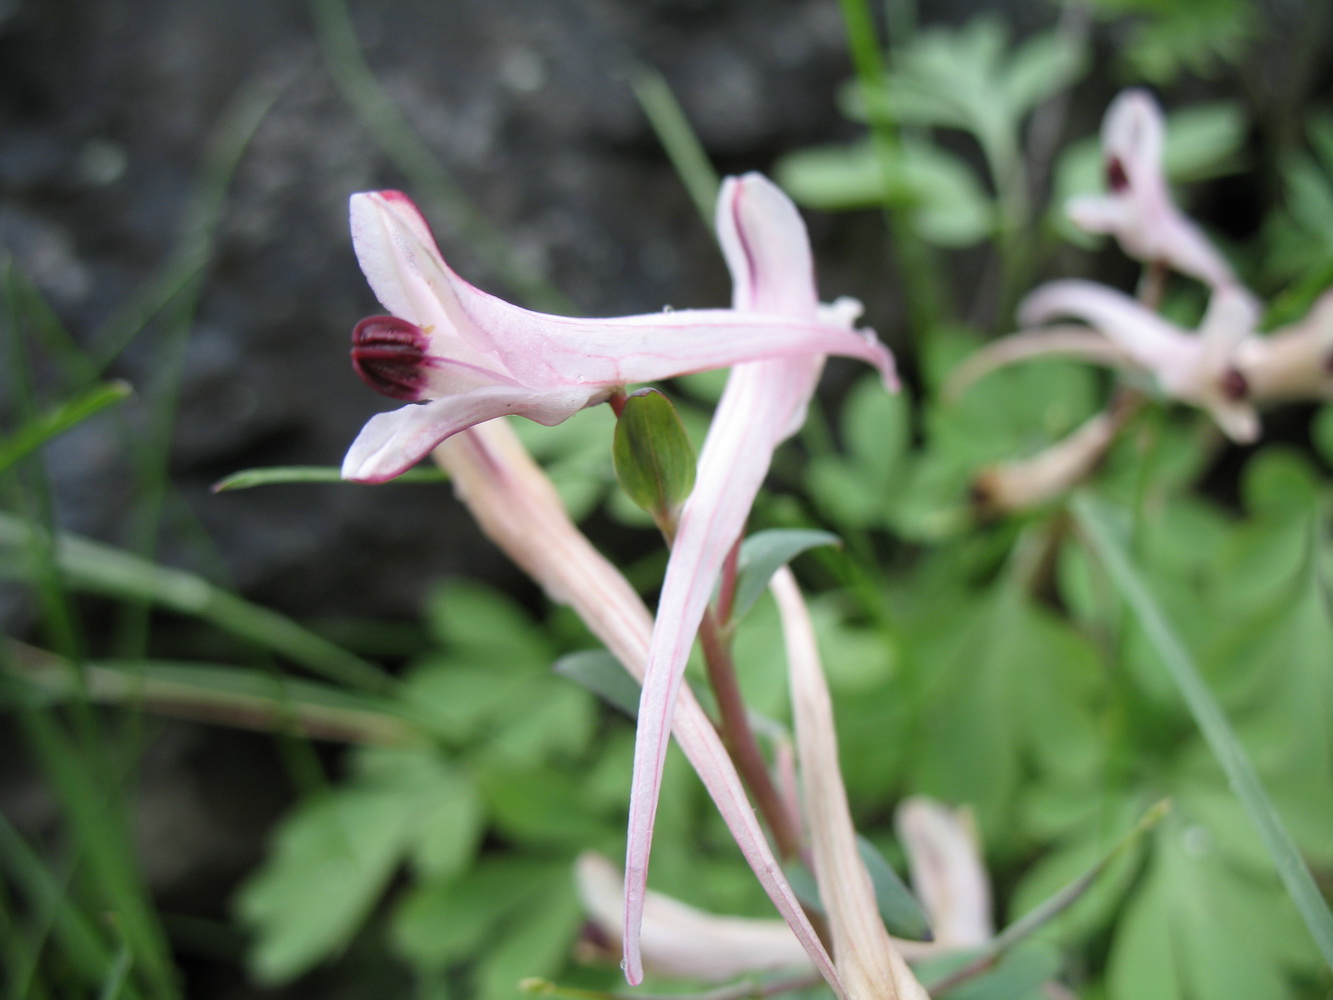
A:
(654, 459)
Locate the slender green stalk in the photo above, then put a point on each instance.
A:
(1097, 521)
(28, 483)
(920, 276)
(51, 913)
(247, 699)
(99, 829)
(679, 140)
(249, 478)
(1031, 922)
(226, 146)
(118, 976)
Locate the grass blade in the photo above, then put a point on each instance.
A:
(1097, 520)
(250, 478)
(102, 569)
(679, 140)
(232, 696)
(431, 182)
(36, 433)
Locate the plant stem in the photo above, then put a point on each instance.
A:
(738, 737)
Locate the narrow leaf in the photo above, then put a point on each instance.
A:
(902, 913)
(37, 432)
(1097, 520)
(249, 478)
(678, 138)
(232, 696)
(598, 671)
(763, 554)
(103, 569)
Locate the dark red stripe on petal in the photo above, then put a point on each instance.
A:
(390, 356)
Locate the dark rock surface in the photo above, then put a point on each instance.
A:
(107, 113)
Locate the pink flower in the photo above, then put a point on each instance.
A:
(1295, 361)
(1137, 208)
(1199, 368)
(464, 357)
(768, 252)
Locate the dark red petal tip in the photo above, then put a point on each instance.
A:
(1116, 178)
(390, 356)
(1235, 386)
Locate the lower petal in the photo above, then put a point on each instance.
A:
(391, 443)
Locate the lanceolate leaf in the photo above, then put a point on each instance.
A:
(763, 554)
(902, 913)
(248, 478)
(70, 414)
(601, 673)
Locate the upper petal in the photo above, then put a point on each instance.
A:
(543, 351)
(767, 248)
(1133, 132)
(405, 269)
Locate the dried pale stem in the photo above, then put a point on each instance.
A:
(746, 989)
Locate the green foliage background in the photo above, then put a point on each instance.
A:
(986, 663)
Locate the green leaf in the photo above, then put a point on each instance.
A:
(763, 554)
(1204, 140)
(902, 913)
(482, 624)
(1021, 975)
(948, 205)
(541, 808)
(1041, 67)
(1280, 483)
(446, 921)
(451, 829)
(1200, 927)
(332, 859)
(1011, 689)
(38, 431)
(533, 940)
(249, 478)
(1321, 432)
(598, 671)
(1099, 522)
(654, 460)
(860, 487)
